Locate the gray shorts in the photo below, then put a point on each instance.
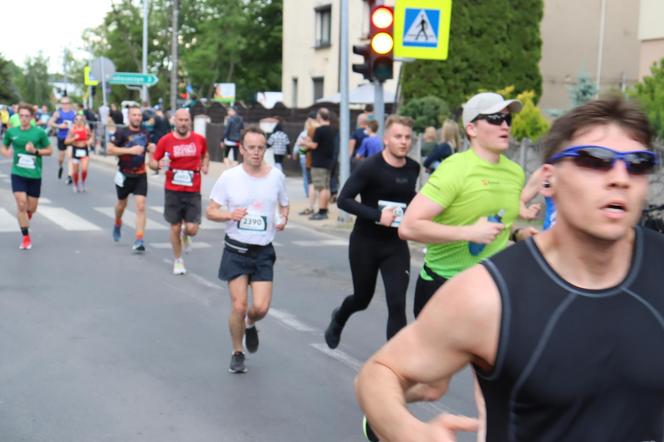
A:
(182, 206)
(320, 178)
(257, 262)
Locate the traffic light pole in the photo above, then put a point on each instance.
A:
(379, 107)
(344, 108)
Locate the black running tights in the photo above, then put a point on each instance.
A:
(368, 256)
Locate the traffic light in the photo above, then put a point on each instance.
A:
(365, 67)
(381, 42)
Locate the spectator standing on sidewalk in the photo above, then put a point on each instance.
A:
(322, 147)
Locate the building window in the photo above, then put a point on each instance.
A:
(319, 83)
(294, 92)
(323, 26)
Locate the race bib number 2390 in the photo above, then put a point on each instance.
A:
(254, 223)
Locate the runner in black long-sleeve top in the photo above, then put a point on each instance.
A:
(386, 183)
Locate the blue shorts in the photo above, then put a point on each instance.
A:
(29, 186)
(257, 262)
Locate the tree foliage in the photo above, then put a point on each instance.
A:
(8, 72)
(219, 41)
(584, 90)
(425, 112)
(649, 92)
(493, 43)
(529, 124)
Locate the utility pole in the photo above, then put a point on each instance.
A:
(174, 57)
(144, 89)
(600, 43)
(344, 108)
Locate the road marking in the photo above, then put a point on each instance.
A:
(43, 200)
(3, 175)
(296, 225)
(129, 219)
(68, 220)
(324, 242)
(290, 320)
(339, 355)
(8, 222)
(206, 224)
(167, 245)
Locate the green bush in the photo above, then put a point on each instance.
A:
(649, 92)
(425, 112)
(529, 123)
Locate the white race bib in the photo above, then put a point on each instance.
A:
(119, 179)
(253, 223)
(80, 153)
(399, 209)
(26, 161)
(183, 178)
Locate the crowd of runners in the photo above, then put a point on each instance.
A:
(562, 328)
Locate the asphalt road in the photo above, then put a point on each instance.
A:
(103, 345)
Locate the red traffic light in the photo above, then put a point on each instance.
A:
(382, 17)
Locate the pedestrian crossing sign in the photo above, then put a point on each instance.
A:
(421, 29)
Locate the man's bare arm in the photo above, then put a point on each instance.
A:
(459, 325)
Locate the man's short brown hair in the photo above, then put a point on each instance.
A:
(616, 110)
(398, 119)
(252, 129)
(373, 125)
(30, 108)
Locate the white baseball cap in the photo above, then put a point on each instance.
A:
(486, 103)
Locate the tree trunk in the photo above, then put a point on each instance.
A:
(523, 153)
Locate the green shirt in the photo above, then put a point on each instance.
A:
(469, 188)
(26, 164)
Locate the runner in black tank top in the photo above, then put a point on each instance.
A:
(385, 182)
(566, 330)
(576, 364)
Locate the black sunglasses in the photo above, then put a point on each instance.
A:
(496, 119)
(638, 162)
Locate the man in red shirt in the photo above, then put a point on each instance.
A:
(183, 154)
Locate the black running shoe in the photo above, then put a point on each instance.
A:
(333, 331)
(60, 173)
(251, 339)
(237, 363)
(368, 432)
(69, 181)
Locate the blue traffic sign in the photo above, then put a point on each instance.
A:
(421, 28)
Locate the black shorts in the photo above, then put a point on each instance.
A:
(235, 149)
(31, 186)
(257, 262)
(61, 144)
(78, 153)
(182, 206)
(424, 289)
(136, 184)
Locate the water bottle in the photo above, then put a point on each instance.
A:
(475, 248)
(167, 157)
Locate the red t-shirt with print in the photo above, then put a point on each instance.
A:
(186, 155)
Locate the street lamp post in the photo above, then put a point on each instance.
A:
(144, 89)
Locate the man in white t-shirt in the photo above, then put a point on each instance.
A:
(251, 198)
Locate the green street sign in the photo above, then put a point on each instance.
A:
(134, 79)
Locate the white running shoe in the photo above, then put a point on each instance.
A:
(178, 267)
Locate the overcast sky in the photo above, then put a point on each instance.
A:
(29, 26)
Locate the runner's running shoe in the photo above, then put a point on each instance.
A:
(333, 331)
(139, 246)
(186, 242)
(26, 244)
(237, 363)
(251, 339)
(178, 267)
(117, 233)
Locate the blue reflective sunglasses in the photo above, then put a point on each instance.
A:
(638, 162)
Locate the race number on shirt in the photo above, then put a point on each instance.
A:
(26, 161)
(183, 178)
(253, 222)
(399, 209)
(80, 153)
(119, 179)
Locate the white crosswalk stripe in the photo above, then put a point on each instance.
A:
(67, 220)
(206, 224)
(323, 242)
(8, 222)
(129, 219)
(167, 245)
